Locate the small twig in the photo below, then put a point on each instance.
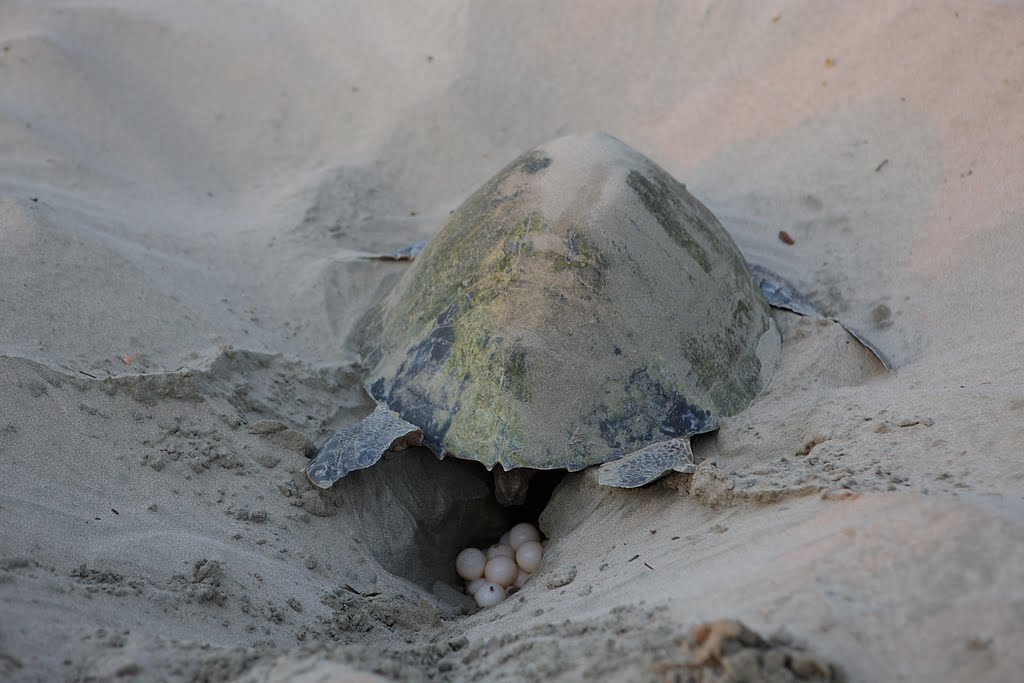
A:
(881, 165)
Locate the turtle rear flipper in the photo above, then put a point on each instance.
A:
(780, 293)
(648, 464)
(361, 445)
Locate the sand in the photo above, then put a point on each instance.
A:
(186, 191)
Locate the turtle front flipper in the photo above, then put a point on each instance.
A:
(780, 293)
(408, 253)
(361, 445)
(648, 464)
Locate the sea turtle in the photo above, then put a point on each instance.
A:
(581, 308)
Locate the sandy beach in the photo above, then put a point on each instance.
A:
(189, 192)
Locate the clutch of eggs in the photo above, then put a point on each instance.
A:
(509, 563)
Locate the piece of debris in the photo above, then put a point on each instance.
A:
(726, 650)
(562, 577)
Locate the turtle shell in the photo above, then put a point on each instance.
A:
(579, 306)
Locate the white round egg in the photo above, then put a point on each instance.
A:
(473, 586)
(521, 533)
(489, 594)
(528, 556)
(521, 578)
(498, 550)
(469, 564)
(501, 570)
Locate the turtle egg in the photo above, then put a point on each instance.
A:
(489, 594)
(504, 539)
(473, 586)
(521, 578)
(528, 556)
(501, 570)
(498, 550)
(521, 533)
(469, 564)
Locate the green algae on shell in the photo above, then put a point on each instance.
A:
(579, 306)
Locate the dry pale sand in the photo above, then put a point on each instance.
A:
(185, 190)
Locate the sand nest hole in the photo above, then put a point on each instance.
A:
(415, 514)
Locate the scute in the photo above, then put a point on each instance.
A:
(579, 306)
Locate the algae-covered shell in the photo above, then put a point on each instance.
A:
(579, 306)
